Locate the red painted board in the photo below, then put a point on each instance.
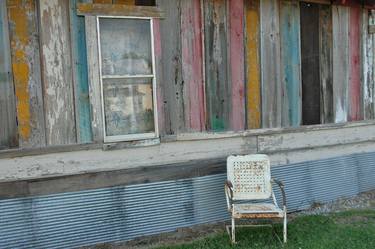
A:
(355, 67)
(237, 67)
(192, 61)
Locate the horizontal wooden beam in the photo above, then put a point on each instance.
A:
(87, 9)
(105, 179)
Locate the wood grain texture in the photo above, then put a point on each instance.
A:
(172, 85)
(159, 77)
(80, 75)
(237, 64)
(270, 64)
(355, 107)
(368, 65)
(310, 63)
(325, 64)
(128, 2)
(340, 24)
(253, 84)
(119, 10)
(57, 72)
(290, 63)
(102, 1)
(192, 61)
(94, 78)
(8, 118)
(26, 70)
(218, 91)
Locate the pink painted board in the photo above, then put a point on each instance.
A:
(237, 67)
(192, 64)
(159, 76)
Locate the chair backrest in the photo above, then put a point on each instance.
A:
(250, 176)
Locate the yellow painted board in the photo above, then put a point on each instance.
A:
(253, 99)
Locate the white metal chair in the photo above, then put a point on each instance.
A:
(249, 179)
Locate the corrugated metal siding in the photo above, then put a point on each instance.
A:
(122, 213)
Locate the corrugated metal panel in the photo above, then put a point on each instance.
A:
(122, 213)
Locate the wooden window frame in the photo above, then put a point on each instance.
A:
(137, 136)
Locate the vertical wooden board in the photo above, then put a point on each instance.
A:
(237, 64)
(94, 78)
(340, 26)
(192, 65)
(159, 77)
(218, 91)
(26, 72)
(8, 124)
(170, 32)
(368, 65)
(102, 1)
(290, 62)
(325, 63)
(80, 75)
(126, 2)
(354, 112)
(270, 61)
(253, 88)
(57, 72)
(310, 63)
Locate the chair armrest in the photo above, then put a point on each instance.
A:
(282, 188)
(228, 187)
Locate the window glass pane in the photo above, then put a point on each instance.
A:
(128, 106)
(125, 46)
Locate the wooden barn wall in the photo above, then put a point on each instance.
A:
(220, 66)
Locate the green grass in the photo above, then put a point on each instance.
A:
(346, 230)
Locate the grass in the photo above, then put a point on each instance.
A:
(346, 230)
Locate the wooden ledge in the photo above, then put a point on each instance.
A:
(88, 9)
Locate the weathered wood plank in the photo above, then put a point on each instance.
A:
(237, 64)
(94, 78)
(127, 2)
(192, 61)
(26, 71)
(253, 84)
(80, 75)
(310, 63)
(57, 72)
(159, 77)
(288, 141)
(8, 122)
(172, 85)
(340, 24)
(325, 63)
(290, 63)
(119, 10)
(102, 1)
(354, 112)
(145, 2)
(270, 61)
(218, 91)
(368, 65)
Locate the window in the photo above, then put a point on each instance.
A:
(127, 75)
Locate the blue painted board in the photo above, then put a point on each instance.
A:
(290, 62)
(80, 75)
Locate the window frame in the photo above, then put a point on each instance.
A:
(137, 136)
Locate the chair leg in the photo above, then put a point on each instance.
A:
(285, 228)
(233, 232)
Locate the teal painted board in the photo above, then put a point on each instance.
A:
(290, 62)
(218, 90)
(8, 125)
(80, 75)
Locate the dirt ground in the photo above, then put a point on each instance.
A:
(362, 201)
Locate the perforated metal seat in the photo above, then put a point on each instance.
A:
(249, 179)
